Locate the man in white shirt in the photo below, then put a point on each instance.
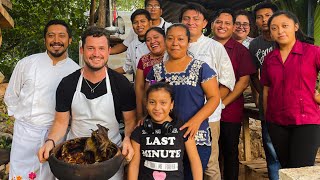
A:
(141, 22)
(194, 16)
(30, 98)
(154, 7)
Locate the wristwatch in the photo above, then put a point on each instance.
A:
(222, 106)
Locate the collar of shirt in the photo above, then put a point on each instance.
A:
(161, 22)
(201, 38)
(296, 49)
(61, 61)
(230, 43)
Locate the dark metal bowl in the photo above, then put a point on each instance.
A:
(4, 156)
(67, 171)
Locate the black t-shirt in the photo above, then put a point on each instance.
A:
(161, 154)
(122, 90)
(259, 48)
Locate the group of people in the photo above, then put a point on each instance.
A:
(184, 113)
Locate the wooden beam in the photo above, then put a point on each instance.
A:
(6, 3)
(6, 20)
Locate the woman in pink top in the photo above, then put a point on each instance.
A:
(155, 42)
(289, 77)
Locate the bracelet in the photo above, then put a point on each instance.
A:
(54, 144)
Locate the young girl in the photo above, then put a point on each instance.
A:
(158, 144)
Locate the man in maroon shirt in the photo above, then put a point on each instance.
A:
(231, 117)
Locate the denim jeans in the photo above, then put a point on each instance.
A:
(273, 163)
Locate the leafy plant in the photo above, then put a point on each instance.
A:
(5, 142)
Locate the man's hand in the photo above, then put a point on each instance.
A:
(43, 153)
(127, 149)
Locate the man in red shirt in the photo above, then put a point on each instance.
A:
(231, 117)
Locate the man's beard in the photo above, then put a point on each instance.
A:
(57, 54)
(93, 68)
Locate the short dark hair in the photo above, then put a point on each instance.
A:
(265, 5)
(299, 34)
(95, 32)
(182, 26)
(227, 11)
(140, 12)
(196, 7)
(244, 13)
(146, 3)
(158, 29)
(57, 22)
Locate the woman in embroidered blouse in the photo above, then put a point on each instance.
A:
(289, 77)
(193, 82)
(155, 42)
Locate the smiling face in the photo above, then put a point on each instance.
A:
(140, 25)
(95, 52)
(242, 27)
(195, 22)
(283, 30)
(177, 42)
(155, 42)
(159, 105)
(57, 41)
(262, 17)
(222, 27)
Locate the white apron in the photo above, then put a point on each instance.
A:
(86, 113)
(24, 152)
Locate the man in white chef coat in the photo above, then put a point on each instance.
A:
(30, 99)
(94, 94)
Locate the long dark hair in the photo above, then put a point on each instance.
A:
(299, 34)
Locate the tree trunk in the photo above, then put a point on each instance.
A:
(92, 11)
(102, 14)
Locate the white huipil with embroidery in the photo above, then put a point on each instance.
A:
(30, 98)
(86, 113)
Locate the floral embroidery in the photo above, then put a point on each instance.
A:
(148, 61)
(205, 80)
(181, 78)
(32, 175)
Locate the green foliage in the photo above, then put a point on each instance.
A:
(5, 142)
(317, 25)
(30, 17)
(127, 5)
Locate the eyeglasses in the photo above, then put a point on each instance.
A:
(149, 6)
(244, 25)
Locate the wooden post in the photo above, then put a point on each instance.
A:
(246, 138)
(102, 14)
(92, 11)
(6, 20)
